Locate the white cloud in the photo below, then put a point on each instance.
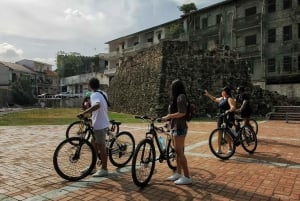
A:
(39, 29)
(9, 52)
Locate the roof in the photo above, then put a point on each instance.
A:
(145, 30)
(173, 21)
(16, 67)
(33, 61)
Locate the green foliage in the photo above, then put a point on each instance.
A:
(174, 30)
(75, 64)
(188, 8)
(21, 91)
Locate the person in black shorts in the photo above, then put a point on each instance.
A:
(243, 100)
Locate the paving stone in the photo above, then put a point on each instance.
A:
(271, 173)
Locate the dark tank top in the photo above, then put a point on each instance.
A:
(224, 105)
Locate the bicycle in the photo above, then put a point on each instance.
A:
(252, 123)
(223, 141)
(144, 157)
(74, 154)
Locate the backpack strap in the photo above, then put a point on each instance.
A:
(108, 104)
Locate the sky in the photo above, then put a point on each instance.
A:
(38, 30)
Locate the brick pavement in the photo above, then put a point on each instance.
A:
(272, 173)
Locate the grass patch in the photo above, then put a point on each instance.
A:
(53, 116)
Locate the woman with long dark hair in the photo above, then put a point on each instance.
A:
(177, 117)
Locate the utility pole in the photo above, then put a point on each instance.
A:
(261, 43)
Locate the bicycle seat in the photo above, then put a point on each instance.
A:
(115, 122)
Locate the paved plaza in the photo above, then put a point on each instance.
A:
(271, 173)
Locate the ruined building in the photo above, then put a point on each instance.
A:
(258, 38)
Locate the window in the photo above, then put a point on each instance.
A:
(14, 77)
(158, 35)
(271, 6)
(204, 45)
(298, 62)
(271, 35)
(250, 11)
(204, 23)
(250, 40)
(287, 33)
(298, 30)
(218, 19)
(298, 2)
(271, 65)
(150, 40)
(287, 64)
(197, 23)
(287, 4)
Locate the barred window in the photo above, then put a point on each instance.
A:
(204, 23)
(271, 35)
(271, 6)
(271, 65)
(250, 11)
(287, 4)
(287, 64)
(287, 33)
(298, 62)
(218, 19)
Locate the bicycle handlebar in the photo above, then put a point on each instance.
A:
(145, 117)
(220, 115)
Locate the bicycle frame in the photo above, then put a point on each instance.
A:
(152, 133)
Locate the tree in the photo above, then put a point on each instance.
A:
(188, 8)
(22, 91)
(74, 64)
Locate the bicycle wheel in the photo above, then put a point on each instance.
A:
(248, 139)
(253, 123)
(171, 156)
(221, 143)
(143, 163)
(78, 129)
(121, 149)
(74, 158)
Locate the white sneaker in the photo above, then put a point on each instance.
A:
(86, 169)
(101, 173)
(174, 177)
(183, 181)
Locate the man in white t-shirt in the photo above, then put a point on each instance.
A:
(100, 122)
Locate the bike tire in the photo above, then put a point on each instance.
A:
(226, 141)
(248, 139)
(78, 129)
(254, 125)
(171, 156)
(143, 163)
(72, 156)
(121, 149)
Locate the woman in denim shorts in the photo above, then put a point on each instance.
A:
(177, 113)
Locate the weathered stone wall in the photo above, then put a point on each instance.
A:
(135, 86)
(141, 84)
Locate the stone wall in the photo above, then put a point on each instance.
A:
(141, 84)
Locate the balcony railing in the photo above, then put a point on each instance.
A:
(252, 21)
(111, 71)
